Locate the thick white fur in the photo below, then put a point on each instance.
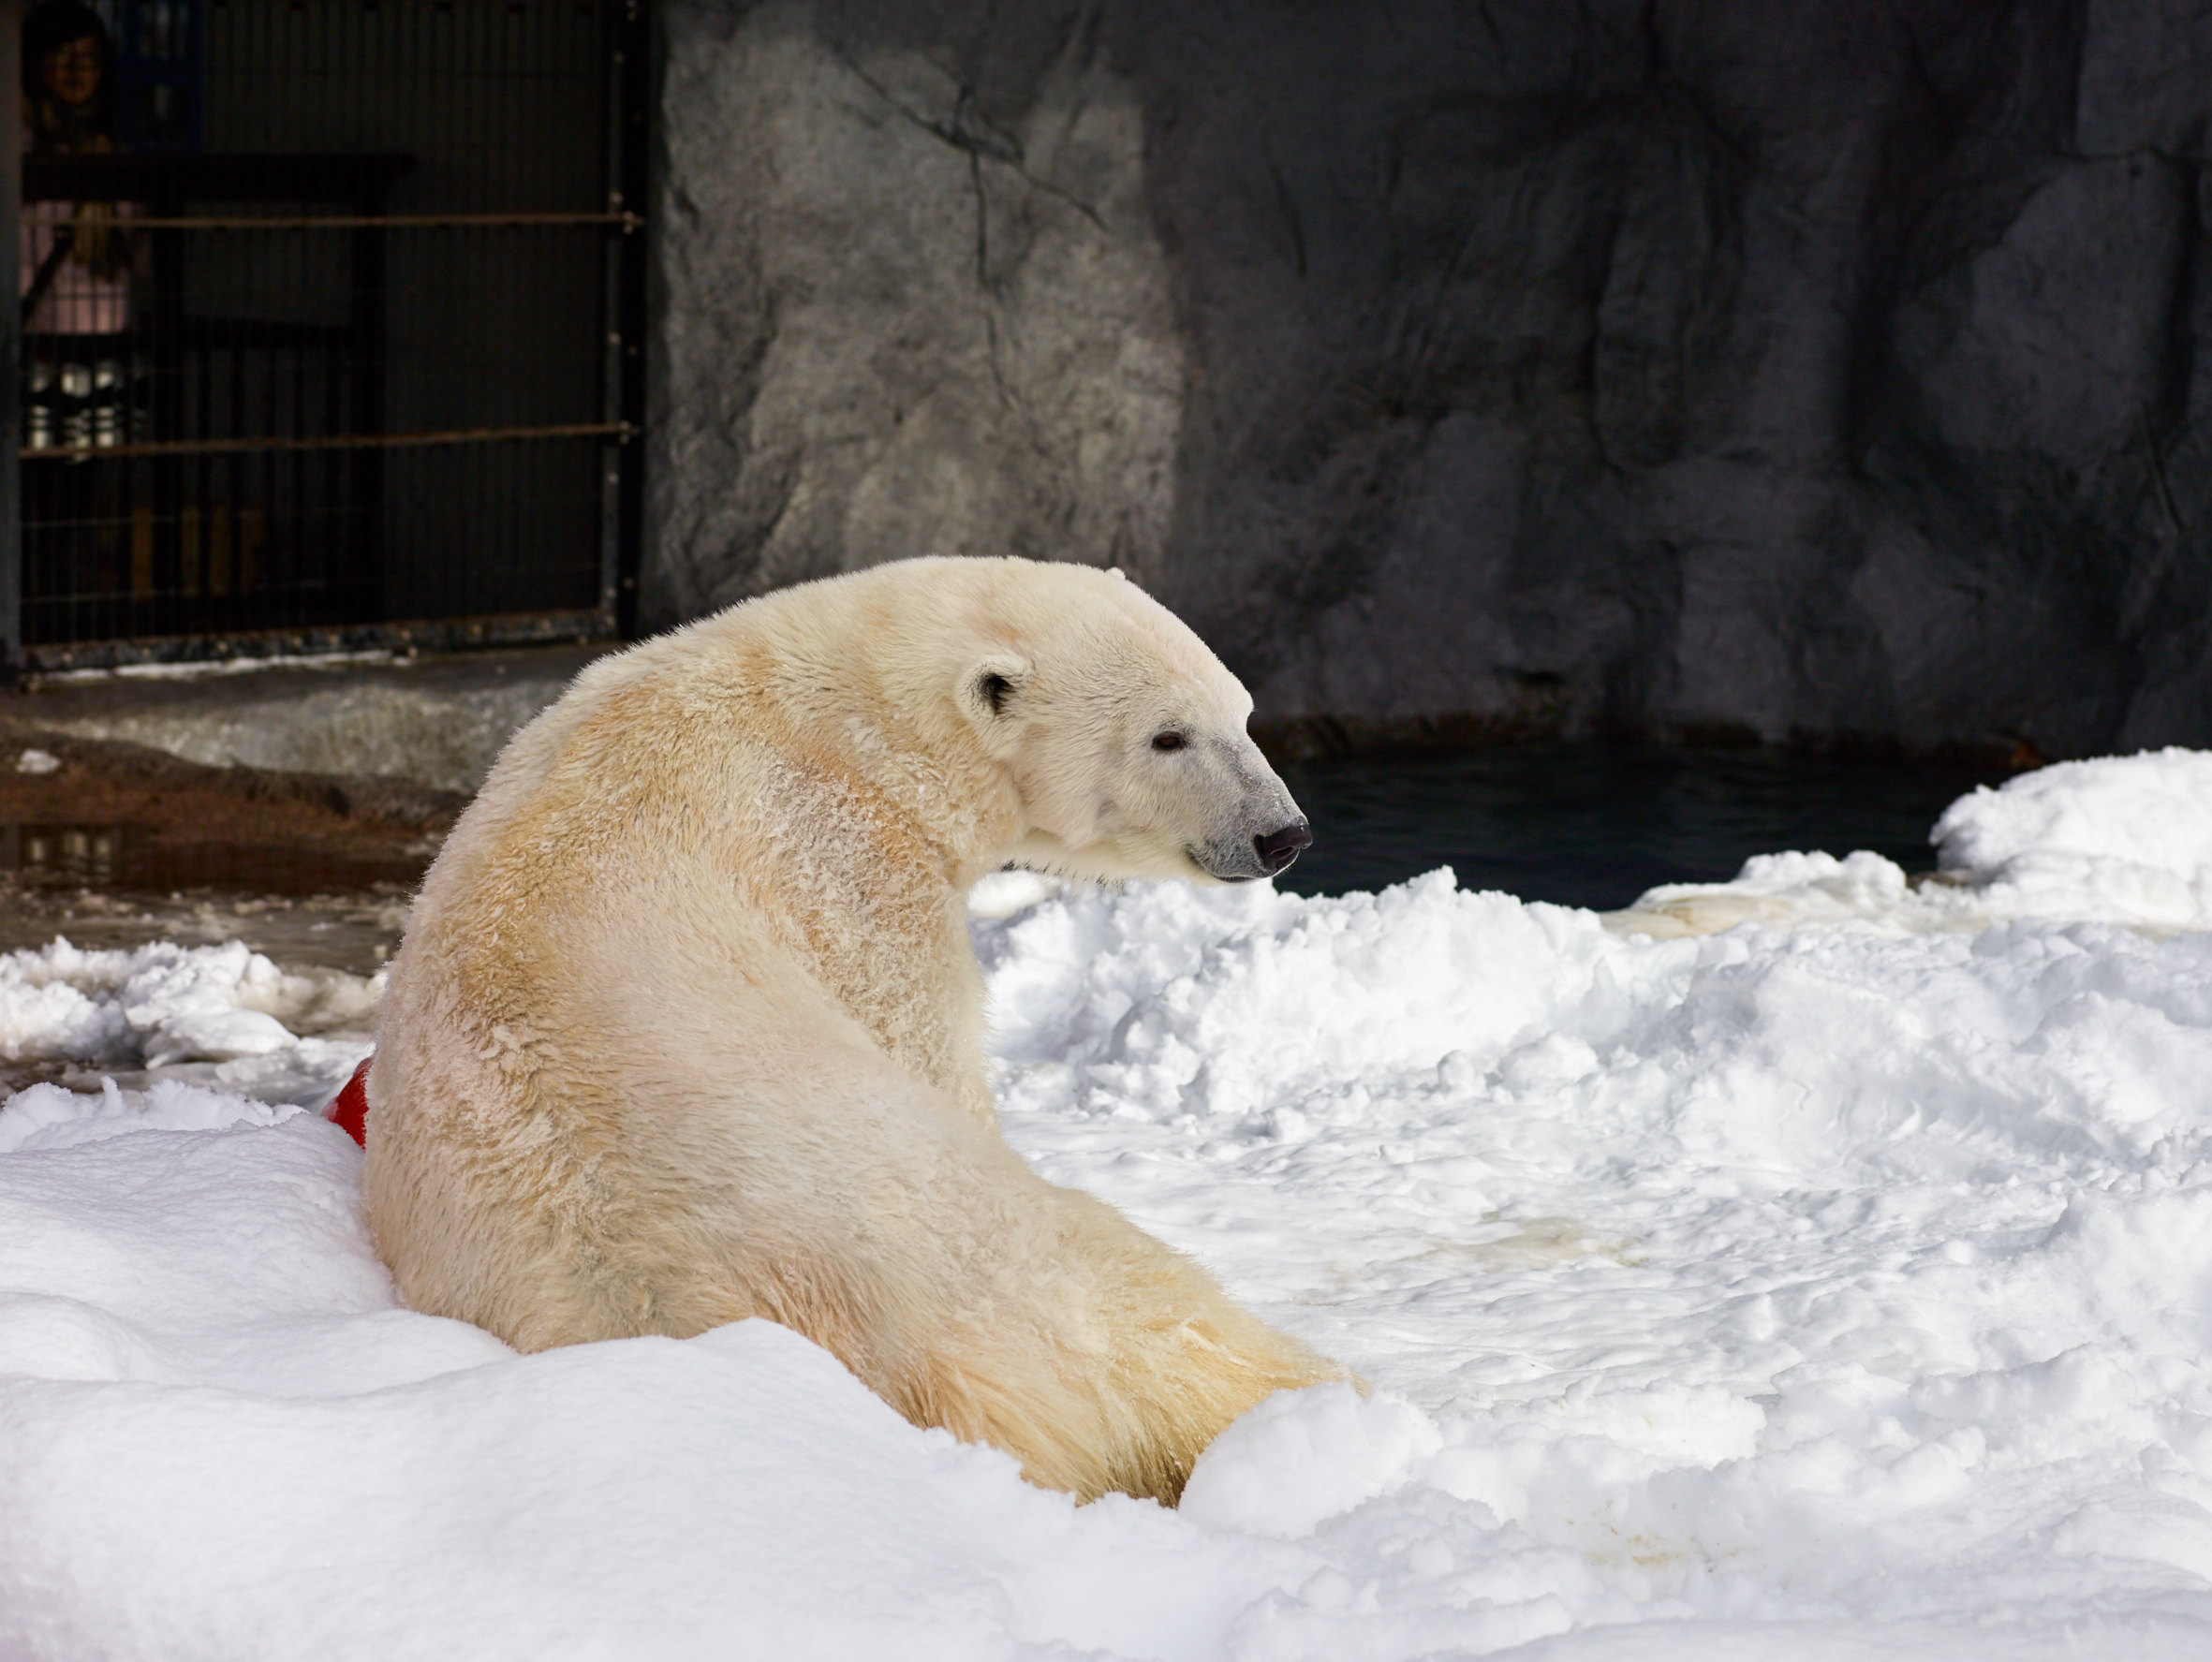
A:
(686, 1027)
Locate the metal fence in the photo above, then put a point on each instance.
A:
(358, 355)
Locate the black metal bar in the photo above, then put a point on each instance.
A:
(167, 362)
(640, 75)
(610, 460)
(243, 547)
(11, 355)
(296, 544)
(364, 538)
(202, 589)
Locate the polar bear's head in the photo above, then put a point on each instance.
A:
(1124, 738)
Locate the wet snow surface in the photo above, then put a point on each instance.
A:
(1833, 1285)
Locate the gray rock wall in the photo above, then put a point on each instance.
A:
(1826, 370)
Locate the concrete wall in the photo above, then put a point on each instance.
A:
(1831, 370)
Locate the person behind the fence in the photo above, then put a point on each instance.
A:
(75, 257)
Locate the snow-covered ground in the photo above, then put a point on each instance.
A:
(1838, 1285)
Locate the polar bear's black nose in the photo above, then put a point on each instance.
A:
(1278, 848)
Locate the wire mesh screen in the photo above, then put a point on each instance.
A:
(357, 360)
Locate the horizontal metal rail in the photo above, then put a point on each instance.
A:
(435, 635)
(370, 221)
(621, 431)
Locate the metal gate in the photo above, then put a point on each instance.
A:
(361, 358)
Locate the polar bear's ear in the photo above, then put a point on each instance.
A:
(990, 687)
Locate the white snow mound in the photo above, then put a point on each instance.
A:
(218, 1015)
(2124, 839)
(1828, 1291)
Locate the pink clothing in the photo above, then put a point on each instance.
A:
(76, 302)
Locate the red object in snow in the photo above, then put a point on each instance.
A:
(349, 1110)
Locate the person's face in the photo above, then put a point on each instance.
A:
(72, 72)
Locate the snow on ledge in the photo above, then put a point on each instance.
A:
(2122, 840)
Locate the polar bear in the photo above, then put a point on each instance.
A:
(687, 1026)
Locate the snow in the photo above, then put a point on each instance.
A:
(2115, 839)
(217, 1015)
(209, 669)
(1833, 1285)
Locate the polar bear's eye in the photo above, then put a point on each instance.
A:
(1169, 740)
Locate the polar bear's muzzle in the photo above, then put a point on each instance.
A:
(1262, 833)
(1243, 859)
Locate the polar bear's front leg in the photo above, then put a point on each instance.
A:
(1043, 1322)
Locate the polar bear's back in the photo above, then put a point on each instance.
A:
(668, 902)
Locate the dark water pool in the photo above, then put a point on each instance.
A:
(133, 860)
(1596, 825)
(1587, 825)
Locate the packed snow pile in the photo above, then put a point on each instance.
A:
(2122, 839)
(1817, 1292)
(2125, 836)
(219, 1015)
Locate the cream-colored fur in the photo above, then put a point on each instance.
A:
(687, 1026)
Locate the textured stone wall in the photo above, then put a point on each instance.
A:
(1824, 370)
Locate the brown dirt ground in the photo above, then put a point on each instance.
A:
(121, 844)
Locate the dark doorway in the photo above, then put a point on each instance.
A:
(375, 368)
